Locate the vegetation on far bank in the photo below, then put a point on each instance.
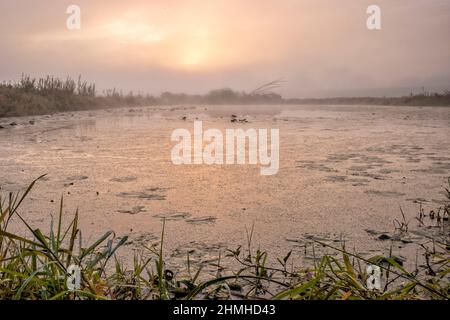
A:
(30, 96)
(35, 267)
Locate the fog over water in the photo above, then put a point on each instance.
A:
(320, 48)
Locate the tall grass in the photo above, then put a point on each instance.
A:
(52, 85)
(34, 266)
(31, 96)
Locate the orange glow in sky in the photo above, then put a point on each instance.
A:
(320, 47)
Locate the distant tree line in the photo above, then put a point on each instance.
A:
(421, 99)
(30, 96)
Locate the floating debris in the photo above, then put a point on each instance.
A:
(77, 178)
(336, 178)
(403, 237)
(172, 216)
(374, 232)
(124, 179)
(201, 220)
(74, 178)
(418, 200)
(383, 237)
(385, 193)
(142, 195)
(310, 165)
(134, 210)
(140, 238)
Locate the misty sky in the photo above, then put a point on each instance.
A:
(319, 47)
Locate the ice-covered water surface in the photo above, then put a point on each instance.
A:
(344, 173)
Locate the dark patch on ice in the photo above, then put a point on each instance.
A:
(354, 181)
(77, 178)
(360, 168)
(201, 220)
(387, 171)
(336, 178)
(385, 193)
(417, 200)
(72, 179)
(138, 239)
(368, 175)
(124, 179)
(338, 157)
(316, 166)
(134, 210)
(142, 195)
(172, 216)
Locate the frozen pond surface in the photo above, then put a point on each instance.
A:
(344, 170)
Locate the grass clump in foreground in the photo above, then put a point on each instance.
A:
(36, 267)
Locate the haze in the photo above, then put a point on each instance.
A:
(320, 48)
